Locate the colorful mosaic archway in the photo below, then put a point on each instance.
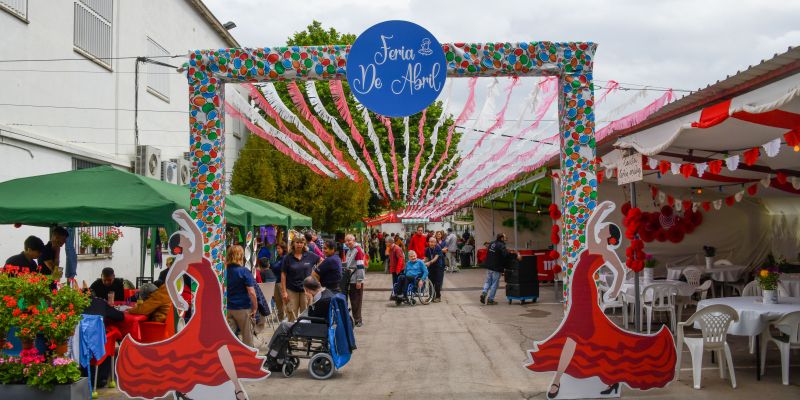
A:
(571, 62)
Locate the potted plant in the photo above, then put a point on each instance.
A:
(27, 295)
(111, 236)
(768, 278)
(32, 376)
(86, 240)
(710, 252)
(62, 316)
(650, 263)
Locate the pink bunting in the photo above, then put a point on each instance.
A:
(634, 118)
(280, 146)
(611, 87)
(271, 113)
(300, 102)
(337, 91)
(421, 138)
(387, 122)
(469, 108)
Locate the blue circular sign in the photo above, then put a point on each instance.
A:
(396, 68)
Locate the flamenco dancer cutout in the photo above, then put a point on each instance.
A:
(587, 344)
(205, 352)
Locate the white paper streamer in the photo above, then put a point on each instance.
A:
(678, 205)
(765, 181)
(435, 135)
(701, 169)
(739, 196)
(732, 162)
(652, 163)
(233, 98)
(695, 206)
(375, 146)
(407, 141)
(322, 113)
(662, 197)
(274, 100)
(675, 168)
(772, 147)
(717, 204)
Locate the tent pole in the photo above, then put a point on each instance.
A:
(142, 249)
(493, 233)
(638, 305)
(516, 245)
(153, 233)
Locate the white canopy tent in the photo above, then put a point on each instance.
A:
(732, 151)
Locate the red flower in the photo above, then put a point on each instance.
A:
(16, 312)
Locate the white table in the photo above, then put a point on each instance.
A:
(792, 283)
(754, 316)
(718, 273)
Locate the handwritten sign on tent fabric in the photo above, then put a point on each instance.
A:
(396, 68)
(630, 169)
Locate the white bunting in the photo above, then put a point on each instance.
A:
(695, 206)
(717, 204)
(765, 181)
(795, 182)
(676, 168)
(772, 147)
(732, 162)
(739, 196)
(678, 205)
(652, 163)
(701, 169)
(662, 197)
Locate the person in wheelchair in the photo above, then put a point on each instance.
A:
(415, 273)
(318, 312)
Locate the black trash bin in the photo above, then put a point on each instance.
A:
(522, 280)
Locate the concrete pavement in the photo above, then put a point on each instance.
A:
(460, 349)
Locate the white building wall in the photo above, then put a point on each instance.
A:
(73, 107)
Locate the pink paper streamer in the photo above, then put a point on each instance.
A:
(421, 138)
(611, 87)
(337, 91)
(259, 98)
(387, 122)
(635, 117)
(305, 111)
(469, 108)
(280, 146)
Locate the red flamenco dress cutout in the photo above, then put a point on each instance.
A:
(591, 345)
(205, 352)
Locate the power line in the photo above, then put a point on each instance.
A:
(86, 59)
(97, 128)
(88, 108)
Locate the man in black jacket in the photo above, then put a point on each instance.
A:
(319, 308)
(497, 260)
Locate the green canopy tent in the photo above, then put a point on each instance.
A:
(294, 217)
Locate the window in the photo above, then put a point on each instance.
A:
(78, 163)
(92, 31)
(17, 8)
(157, 75)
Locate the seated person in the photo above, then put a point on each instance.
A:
(98, 306)
(319, 308)
(108, 283)
(26, 261)
(415, 271)
(265, 273)
(155, 302)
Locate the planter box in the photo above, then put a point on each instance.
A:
(76, 391)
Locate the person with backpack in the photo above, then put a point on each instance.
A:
(497, 260)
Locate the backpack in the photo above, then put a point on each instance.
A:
(263, 307)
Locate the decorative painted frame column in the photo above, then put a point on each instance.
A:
(209, 70)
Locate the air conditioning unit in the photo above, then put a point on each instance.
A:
(184, 171)
(169, 171)
(148, 161)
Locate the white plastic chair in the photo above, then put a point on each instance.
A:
(612, 303)
(693, 275)
(700, 291)
(714, 322)
(722, 261)
(789, 339)
(662, 298)
(751, 289)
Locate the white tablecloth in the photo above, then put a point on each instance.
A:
(792, 283)
(719, 273)
(628, 288)
(753, 314)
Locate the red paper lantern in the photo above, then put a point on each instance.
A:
(636, 265)
(557, 269)
(661, 235)
(666, 211)
(675, 235)
(625, 208)
(554, 212)
(553, 255)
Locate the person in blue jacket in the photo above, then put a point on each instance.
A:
(415, 269)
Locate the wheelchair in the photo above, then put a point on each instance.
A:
(309, 341)
(422, 294)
